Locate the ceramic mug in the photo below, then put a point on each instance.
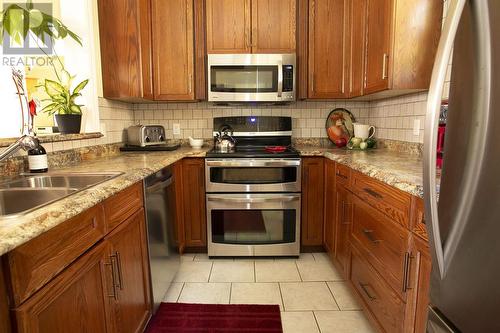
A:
(363, 131)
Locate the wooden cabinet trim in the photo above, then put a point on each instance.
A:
(194, 205)
(200, 50)
(34, 264)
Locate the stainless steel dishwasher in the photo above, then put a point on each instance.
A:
(160, 216)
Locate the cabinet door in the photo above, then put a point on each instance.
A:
(418, 285)
(195, 219)
(343, 207)
(312, 201)
(173, 56)
(128, 251)
(126, 49)
(378, 57)
(79, 295)
(273, 26)
(327, 49)
(329, 235)
(357, 39)
(228, 26)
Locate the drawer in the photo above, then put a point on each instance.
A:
(385, 242)
(342, 174)
(122, 205)
(392, 202)
(418, 218)
(382, 302)
(35, 263)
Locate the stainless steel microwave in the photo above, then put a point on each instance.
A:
(251, 78)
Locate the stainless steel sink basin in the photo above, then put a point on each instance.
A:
(31, 191)
(21, 200)
(70, 180)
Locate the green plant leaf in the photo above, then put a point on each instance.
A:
(80, 86)
(53, 88)
(75, 109)
(35, 18)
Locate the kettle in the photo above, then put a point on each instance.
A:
(224, 142)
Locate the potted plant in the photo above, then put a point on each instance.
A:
(19, 22)
(62, 102)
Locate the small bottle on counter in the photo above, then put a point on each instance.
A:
(37, 160)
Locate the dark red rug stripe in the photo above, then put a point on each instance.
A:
(215, 318)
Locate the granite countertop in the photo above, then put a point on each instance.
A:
(401, 170)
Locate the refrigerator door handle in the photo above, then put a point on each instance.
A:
(431, 128)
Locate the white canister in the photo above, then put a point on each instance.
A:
(363, 131)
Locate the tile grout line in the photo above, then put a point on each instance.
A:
(331, 292)
(316, 320)
(298, 270)
(254, 272)
(210, 274)
(281, 296)
(179, 296)
(230, 292)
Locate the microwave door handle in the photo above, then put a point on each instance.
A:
(280, 78)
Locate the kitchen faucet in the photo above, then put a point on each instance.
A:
(26, 142)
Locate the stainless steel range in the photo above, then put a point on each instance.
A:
(253, 193)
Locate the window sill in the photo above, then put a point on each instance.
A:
(55, 138)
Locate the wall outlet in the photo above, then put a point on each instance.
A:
(416, 127)
(177, 129)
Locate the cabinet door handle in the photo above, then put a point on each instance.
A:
(369, 234)
(119, 269)
(364, 287)
(406, 272)
(112, 265)
(373, 193)
(385, 61)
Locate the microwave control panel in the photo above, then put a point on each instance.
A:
(287, 78)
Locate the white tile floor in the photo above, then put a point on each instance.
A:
(311, 294)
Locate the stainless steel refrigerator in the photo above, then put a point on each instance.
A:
(463, 220)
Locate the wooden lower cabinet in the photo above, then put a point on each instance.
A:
(76, 297)
(312, 201)
(129, 257)
(330, 209)
(375, 235)
(193, 203)
(343, 209)
(99, 283)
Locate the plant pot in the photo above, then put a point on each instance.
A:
(69, 123)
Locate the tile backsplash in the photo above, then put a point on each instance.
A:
(196, 119)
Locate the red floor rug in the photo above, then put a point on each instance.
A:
(213, 318)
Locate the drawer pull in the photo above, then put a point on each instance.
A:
(119, 266)
(364, 287)
(406, 272)
(373, 193)
(369, 234)
(341, 175)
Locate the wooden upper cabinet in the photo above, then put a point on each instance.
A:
(401, 44)
(378, 27)
(327, 49)
(228, 26)
(273, 26)
(356, 39)
(173, 40)
(126, 49)
(251, 26)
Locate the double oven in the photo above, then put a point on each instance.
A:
(253, 203)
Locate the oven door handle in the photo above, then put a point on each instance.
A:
(256, 163)
(284, 198)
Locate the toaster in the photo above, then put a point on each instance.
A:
(145, 135)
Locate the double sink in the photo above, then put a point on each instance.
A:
(31, 191)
